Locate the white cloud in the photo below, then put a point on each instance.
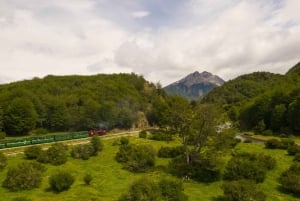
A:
(228, 38)
(140, 14)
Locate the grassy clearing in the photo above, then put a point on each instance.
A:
(110, 180)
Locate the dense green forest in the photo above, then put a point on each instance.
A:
(263, 102)
(73, 103)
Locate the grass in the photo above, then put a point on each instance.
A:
(110, 180)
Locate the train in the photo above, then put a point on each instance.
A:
(33, 140)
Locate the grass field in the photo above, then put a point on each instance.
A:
(110, 180)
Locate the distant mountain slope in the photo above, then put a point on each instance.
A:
(195, 85)
(294, 70)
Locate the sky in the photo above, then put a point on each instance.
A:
(163, 40)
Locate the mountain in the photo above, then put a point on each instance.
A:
(195, 85)
(263, 102)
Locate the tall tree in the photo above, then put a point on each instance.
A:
(20, 117)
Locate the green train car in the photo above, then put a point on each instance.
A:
(41, 139)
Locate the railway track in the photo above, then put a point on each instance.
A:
(20, 150)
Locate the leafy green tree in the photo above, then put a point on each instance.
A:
(20, 117)
(278, 117)
(293, 116)
(25, 176)
(61, 181)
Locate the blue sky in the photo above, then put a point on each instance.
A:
(163, 40)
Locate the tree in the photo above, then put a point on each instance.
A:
(20, 117)
(55, 155)
(293, 116)
(25, 176)
(61, 181)
(278, 117)
(83, 151)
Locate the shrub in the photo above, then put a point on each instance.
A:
(161, 135)
(21, 199)
(97, 145)
(242, 190)
(61, 181)
(279, 144)
(143, 134)
(142, 189)
(290, 179)
(170, 152)
(136, 158)
(124, 141)
(25, 176)
(249, 166)
(55, 155)
(41, 131)
(297, 157)
(148, 190)
(172, 190)
(203, 170)
(3, 161)
(82, 151)
(87, 179)
(32, 152)
(293, 149)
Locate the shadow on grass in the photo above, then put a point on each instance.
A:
(285, 191)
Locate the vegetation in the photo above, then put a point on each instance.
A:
(61, 181)
(290, 179)
(75, 103)
(242, 190)
(136, 158)
(148, 190)
(3, 161)
(32, 152)
(25, 176)
(56, 154)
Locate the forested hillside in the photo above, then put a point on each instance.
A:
(263, 102)
(72, 103)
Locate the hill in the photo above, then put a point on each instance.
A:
(63, 103)
(195, 85)
(263, 102)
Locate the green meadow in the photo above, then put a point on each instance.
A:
(110, 181)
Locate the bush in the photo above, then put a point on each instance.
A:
(161, 135)
(25, 176)
(55, 155)
(249, 166)
(297, 157)
(82, 151)
(87, 179)
(142, 189)
(143, 134)
(21, 199)
(279, 144)
(97, 145)
(293, 149)
(61, 181)
(41, 131)
(290, 179)
(148, 190)
(170, 152)
(203, 170)
(3, 161)
(242, 190)
(124, 141)
(136, 158)
(32, 152)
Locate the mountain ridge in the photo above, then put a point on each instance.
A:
(195, 85)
